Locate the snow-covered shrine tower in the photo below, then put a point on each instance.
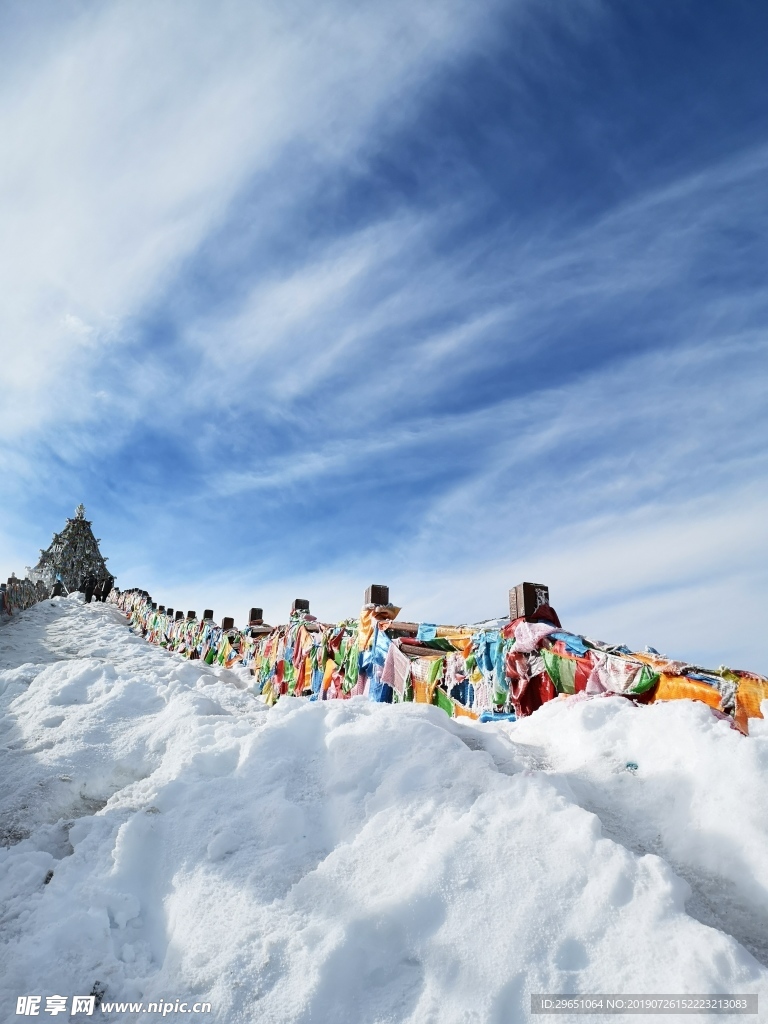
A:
(72, 556)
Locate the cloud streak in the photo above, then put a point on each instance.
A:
(127, 144)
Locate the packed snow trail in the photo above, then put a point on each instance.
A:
(351, 862)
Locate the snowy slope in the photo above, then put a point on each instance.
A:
(353, 863)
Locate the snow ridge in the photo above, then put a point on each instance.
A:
(166, 835)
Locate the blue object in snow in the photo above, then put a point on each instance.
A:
(489, 716)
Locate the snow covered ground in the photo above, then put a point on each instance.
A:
(353, 863)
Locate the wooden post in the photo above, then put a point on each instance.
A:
(227, 623)
(377, 594)
(191, 615)
(255, 616)
(169, 613)
(525, 598)
(208, 614)
(300, 604)
(179, 616)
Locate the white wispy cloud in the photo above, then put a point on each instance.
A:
(126, 142)
(370, 295)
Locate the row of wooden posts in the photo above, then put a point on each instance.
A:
(524, 599)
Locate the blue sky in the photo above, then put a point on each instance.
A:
(299, 297)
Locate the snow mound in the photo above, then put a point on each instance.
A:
(167, 836)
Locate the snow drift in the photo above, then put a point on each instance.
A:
(167, 836)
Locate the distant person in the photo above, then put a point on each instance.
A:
(89, 587)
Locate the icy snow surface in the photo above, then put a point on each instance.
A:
(352, 863)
